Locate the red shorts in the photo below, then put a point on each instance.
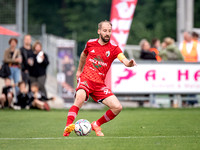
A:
(98, 91)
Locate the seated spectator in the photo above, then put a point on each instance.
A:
(155, 45)
(146, 54)
(22, 97)
(7, 95)
(37, 98)
(171, 52)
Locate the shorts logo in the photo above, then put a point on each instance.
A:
(106, 91)
(107, 53)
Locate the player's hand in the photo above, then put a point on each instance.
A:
(78, 73)
(131, 63)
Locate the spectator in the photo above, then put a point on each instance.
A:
(37, 98)
(155, 45)
(163, 45)
(69, 69)
(190, 49)
(38, 66)
(12, 56)
(195, 36)
(7, 95)
(22, 97)
(145, 51)
(27, 53)
(171, 52)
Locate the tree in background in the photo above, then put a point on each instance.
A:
(152, 18)
(7, 12)
(81, 17)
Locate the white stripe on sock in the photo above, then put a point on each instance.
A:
(72, 114)
(106, 117)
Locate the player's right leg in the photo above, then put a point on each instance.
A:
(73, 111)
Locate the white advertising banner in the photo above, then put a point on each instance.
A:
(156, 78)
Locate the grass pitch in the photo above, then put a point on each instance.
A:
(133, 129)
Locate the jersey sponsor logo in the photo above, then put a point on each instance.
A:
(98, 62)
(107, 53)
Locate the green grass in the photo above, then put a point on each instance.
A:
(133, 129)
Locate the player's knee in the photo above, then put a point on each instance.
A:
(119, 107)
(80, 98)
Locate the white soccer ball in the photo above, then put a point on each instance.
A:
(82, 127)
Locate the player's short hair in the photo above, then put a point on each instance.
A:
(105, 21)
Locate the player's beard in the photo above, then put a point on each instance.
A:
(105, 40)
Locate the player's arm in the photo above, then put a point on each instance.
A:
(125, 61)
(81, 64)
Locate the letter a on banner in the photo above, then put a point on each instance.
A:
(121, 16)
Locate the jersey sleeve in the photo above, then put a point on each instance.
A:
(121, 56)
(117, 51)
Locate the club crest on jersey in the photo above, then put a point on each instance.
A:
(107, 53)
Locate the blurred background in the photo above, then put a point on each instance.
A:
(64, 26)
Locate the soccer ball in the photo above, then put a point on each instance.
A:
(82, 127)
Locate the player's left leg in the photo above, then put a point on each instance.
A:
(115, 108)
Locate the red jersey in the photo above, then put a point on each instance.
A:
(99, 59)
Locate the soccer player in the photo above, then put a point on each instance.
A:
(94, 64)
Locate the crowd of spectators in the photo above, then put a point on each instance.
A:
(27, 76)
(188, 50)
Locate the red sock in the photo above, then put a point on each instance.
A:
(73, 112)
(109, 115)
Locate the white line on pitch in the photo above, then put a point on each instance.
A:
(87, 137)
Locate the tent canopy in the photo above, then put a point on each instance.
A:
(4, 31)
